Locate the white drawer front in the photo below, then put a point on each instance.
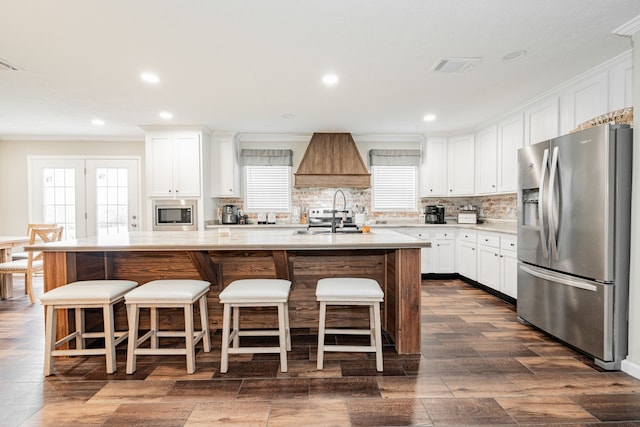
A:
(509, 243)
(467, 236)
(489, 240)
(443, 235)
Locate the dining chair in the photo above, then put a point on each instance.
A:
(34, 262)
(22, 254)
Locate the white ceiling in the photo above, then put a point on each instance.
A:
(249, 65)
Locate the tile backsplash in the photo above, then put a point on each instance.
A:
(499, 206)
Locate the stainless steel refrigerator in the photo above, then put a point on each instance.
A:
(574, 212)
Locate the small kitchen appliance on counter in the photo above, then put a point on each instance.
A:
(229, 214)
(434, 214)
(468, 214)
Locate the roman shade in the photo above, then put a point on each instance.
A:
(257, 157)
(394, 157)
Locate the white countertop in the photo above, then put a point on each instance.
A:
(240, 237)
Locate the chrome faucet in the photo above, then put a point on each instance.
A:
(333, 211)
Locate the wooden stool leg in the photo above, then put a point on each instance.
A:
(321, 326)
(378, 338)
(109, 338)
(132, 345)
(226, 324)
(50, 338)
(28, 285)
(282, 333)
(204, 324)
(189, 339)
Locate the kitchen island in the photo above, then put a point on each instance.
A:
(391, 258)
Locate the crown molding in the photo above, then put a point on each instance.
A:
(629, 28)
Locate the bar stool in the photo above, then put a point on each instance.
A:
(78, 296)
(350, 291)
(255, 293)
(168, 294)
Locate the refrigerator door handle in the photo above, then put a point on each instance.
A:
(543, 174)
(557, 279)
(553, 246)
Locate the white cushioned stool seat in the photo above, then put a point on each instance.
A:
(170, 293)
(350, 291)
(255, 293)
(79, 296)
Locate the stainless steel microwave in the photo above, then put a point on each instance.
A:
(179, 215)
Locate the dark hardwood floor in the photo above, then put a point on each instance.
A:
(478, 366)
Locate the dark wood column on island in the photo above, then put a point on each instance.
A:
(391, 258)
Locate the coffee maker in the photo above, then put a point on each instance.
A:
(229, 214)
(434, 214)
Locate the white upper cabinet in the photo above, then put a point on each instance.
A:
(225, 168)
(510, 140)
(433, 171)
(542, 121)
(461, 165)
(621, 85)
(487, 160)
(584, 100)
(173, 164)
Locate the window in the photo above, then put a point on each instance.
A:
(394, 188)
(395, 179)
(267, 180)
(268, 188)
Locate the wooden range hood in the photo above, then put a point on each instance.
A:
(332, 160)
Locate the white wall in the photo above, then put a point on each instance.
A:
(632, 364)
(14, 205)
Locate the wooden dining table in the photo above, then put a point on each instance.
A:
(6, 244)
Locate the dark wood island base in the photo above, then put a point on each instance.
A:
(397, 270)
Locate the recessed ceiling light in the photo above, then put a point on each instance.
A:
(150, 78)
(165, 115)
(97, 122)
(515, 55)
(429, 117)
(330, 79)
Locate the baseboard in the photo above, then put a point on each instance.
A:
(631, 368)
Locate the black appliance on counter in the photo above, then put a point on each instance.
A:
(434, 214)
(230, 214)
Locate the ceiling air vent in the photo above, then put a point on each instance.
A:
(6, 66)
(455, 65)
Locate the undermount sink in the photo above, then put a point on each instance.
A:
(312, 231)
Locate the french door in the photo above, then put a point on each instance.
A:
(88, 196)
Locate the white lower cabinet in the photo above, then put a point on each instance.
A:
(489, 260)
(467, 254)
(441, 256)
(509, 266)
(498, 263)
(485, 257)
(443, 245)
